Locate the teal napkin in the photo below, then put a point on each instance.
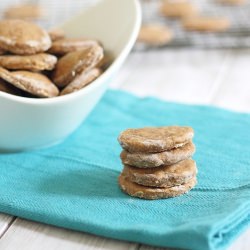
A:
(74, 185)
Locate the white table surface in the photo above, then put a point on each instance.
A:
(220, 78)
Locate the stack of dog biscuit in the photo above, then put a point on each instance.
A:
(157, 162)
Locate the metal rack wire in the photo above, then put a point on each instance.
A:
(57, 11)
(238, 36)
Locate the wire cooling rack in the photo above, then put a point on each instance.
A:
(238, 36)
(56, 11)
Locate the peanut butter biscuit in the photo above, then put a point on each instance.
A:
(165, 176)
(106, 61)
(56, 34)
(155, 35)
(2, 52)
(30, 62)
(142, 160)
(206, 24)
(66, 45)
(73, 63)
(33, 83)
(153, 193)
(232, 2)
(81, 80)
(21, 37)
(8, 88)
(24, 11)
(178, 9)
(155, 139)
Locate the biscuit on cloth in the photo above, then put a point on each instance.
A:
(165, 176)
(153, 193)
(151, 160)
(155, 139)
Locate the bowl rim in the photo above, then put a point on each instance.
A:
(101, 79)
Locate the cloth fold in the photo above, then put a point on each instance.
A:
(74, 184)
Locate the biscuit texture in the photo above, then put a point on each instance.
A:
(206, 24)
(232, 2)
(165, 176)
(155, 139)
(155, 35)
(33, 83)
(153, 193)
(81, 80)
(24, 11)
(66, 45)
(56, 34)
(73, 63)
(106, 61)
(178, 9)
(152, 160)
(2, 52)
(35, 62)
(21, 37)
(8, 88)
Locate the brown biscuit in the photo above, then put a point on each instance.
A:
(155, 139)
(232, 2)
(81, 80)
(172, 156)
(153, 193)
(73, 63)
(21, 37)
(106, 61)
(2, 52)
(66, 45)
(24, 11)
(56, 34)
(8, 88)
(206, 24)
(155, 35)
(33, 83)
(178, 9)
(166, 176)
(30, 62)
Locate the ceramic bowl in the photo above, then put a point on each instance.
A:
(29, 123)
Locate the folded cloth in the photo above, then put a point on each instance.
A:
(74, 184)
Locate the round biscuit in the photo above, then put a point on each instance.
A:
(206, 24)
(22, 37)
(155, 139)
(165, 176)
(152, 193)
(66, 45)
(35, 62)
(73, 63)
(33, 83)
(152, 160)
(82, 80)
(155, 35)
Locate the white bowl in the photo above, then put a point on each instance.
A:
(28, 123)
